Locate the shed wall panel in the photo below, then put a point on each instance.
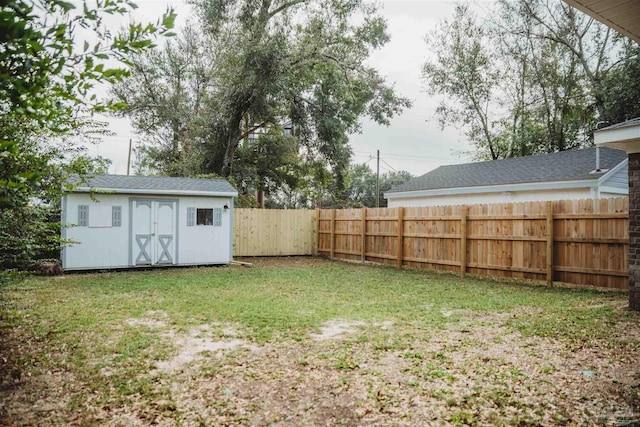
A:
(96, 247)
(204, 244)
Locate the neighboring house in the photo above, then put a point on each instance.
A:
(252, 135)
(135, 221)
(288, 129)
(577, 174)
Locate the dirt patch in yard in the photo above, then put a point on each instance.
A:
(153, 320)
(462, 375)
(279, 262)
(334, 329)
(189, 346)
(449, 313)
(475, 371)
(192, 346)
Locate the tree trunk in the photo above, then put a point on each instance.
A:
(260, 198)
(235, 132)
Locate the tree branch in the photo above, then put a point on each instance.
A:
(284, 6)
(602, 50)
(342, 67)
(253, 129)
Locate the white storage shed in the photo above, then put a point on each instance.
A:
(134, 221)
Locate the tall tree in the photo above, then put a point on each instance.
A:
(164, 98)
(464, 71)
(530, 80)
(621, 87)
(278, 62)
(548, 110)
(588, 41)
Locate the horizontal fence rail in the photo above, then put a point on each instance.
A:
(571, 241)
(274, 232)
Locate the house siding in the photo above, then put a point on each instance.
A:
(620, 179)
(488, 198)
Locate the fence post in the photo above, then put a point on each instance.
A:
(399, 249)
(316, 243)
(463, 240)
(333, 234)
(363, 226)
(550, 243)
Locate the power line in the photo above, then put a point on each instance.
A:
(383, 161)
(487, 13)
(371, 154)
(387, 169)
(413, 156)
(410, 156)
(118, 136)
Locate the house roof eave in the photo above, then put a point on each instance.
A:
(624, 136)
(529, 186)
(622, 16)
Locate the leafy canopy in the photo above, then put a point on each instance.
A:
(46, 79)
(361, 191)
(53, 53)
(261, 65)
(534, 78)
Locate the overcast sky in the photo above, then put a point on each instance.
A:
(414, 140)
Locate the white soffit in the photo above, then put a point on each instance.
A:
(621, 15)
(625, 136)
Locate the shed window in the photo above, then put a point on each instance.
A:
(83, 215)
(204, 217)
(191, 217)
(116, 216)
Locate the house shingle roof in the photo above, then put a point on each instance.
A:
(573, 165)
(153, 184)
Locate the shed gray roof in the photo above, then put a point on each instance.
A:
(574, 165)
(153, 184)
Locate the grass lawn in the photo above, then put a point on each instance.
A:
(293, 342)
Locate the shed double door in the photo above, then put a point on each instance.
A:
(153, 231)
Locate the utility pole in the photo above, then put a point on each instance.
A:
(129, 156)
(378, 181)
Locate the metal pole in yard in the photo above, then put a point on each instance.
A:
(378, 182)
(129, 156)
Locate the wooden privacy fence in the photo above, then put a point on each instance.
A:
(572, 241)
(274, 232)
